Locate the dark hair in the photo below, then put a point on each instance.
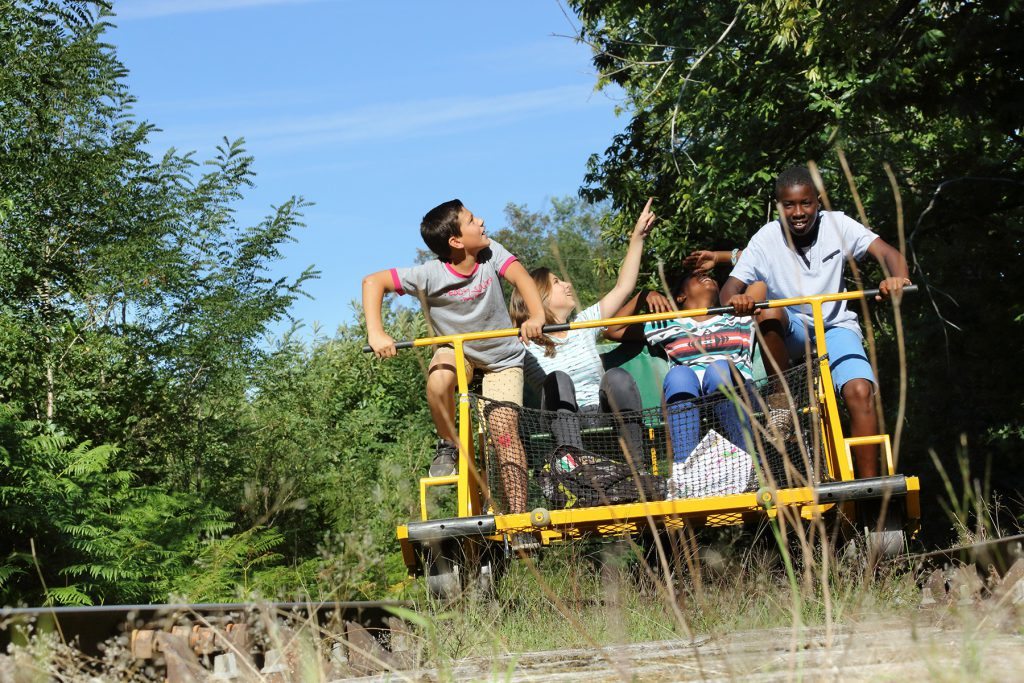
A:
(679, 283)
(794, 176)
(441, 224)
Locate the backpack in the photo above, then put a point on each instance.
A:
(573, 477)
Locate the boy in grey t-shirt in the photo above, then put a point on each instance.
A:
(462, 291)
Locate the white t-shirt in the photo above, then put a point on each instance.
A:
(576, 355)
(769, 258)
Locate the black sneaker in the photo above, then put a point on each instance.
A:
(446, 456)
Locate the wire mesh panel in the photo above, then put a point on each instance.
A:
(729, 442)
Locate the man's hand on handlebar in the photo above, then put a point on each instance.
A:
(892, 288)
(744, 305)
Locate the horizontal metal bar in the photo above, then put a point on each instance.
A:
(862, 489)
(458, 527)
(627, 320)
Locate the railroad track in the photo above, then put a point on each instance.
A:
(992, 568)
(278, 640)
(191, 641)
(999, 553)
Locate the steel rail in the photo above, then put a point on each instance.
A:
(90, 625)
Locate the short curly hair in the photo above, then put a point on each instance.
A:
(794, 176)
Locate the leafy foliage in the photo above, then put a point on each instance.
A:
(155, 443)
(79, 530)
(567, 239)
(133, 309)
(722, 96)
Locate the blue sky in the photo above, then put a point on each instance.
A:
(376, 111)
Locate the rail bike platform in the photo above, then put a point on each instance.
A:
(788, 459)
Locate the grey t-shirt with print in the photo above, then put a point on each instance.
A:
(467, 303)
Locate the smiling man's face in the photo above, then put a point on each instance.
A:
(799, 205)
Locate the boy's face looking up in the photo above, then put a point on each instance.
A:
(472, 237)
(699, 289)
(798, 205)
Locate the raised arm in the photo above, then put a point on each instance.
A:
(374, 288)
(649, 300)
(894, 266)
(630, 269)
(521, 280)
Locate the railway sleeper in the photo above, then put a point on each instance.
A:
(270, 642)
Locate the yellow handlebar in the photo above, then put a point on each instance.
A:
(645, 318)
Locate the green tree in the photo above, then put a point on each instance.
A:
(567, 238)
(338, 441)
(79, 530)
(133, 307)
(133, 302)
(722, 96)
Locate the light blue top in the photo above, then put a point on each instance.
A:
(576, 355)
(769, 257)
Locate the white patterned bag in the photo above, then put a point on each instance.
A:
(716, 467)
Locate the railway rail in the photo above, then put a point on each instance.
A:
(187, 642)
(191, 641)
(969, 573)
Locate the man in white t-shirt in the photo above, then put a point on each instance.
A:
(805, 254)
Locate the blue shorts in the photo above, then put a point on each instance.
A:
(846, 357)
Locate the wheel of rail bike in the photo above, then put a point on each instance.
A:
(679, 550)
(888, 540)
(878, 533)
(488, 570)
(443, 570)
(452, 568)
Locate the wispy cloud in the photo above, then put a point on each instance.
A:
(240, 101)
(416, 118)
(150, 9)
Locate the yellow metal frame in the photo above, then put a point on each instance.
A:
(834, 443)
(879, 439)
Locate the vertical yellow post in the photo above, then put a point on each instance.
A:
(836, 443)
(465, 447)
(654, 452)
